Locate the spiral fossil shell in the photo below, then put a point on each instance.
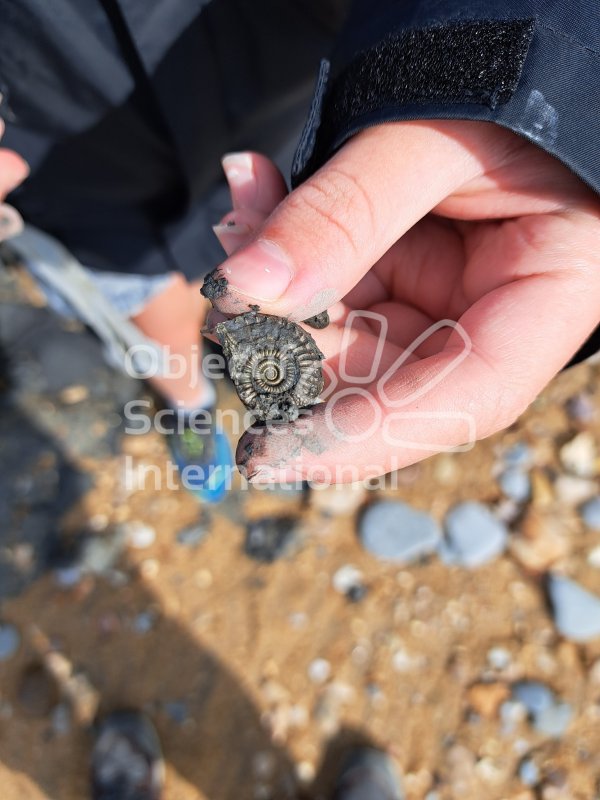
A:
(274, 364)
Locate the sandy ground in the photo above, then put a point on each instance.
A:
(217, 648)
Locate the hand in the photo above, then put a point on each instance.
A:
(416, 222)
(13, 171)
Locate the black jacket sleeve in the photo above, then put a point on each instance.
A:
(532, 66)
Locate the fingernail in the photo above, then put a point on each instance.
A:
(262, 272)
(240, 177)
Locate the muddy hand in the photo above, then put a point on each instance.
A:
(474, 255)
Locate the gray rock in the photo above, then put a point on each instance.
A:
(554, 721)
(99, 554)
(10, 639)
(529, 772)
(548, 715)
(270, 538)
(394, 531)
(518, 455)
(535, 696)
(193, 534)
(576, 611)
(474, 535)
(590, 513)
(515, 484)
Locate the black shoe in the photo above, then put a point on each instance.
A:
(127, 761)
(368, 774)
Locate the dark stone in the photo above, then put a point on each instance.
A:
(270, 538)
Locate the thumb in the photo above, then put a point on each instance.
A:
(324, 236)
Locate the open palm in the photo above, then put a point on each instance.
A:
(508, 257)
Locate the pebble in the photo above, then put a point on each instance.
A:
(576, 611)
(192, 535)
(518, 455)
(581, 408)
(529, 772)
(348, 580)
(138, 534)
(572, 490)
(515, 484)
(548, 716)
(176, 710)
(99, 554)
(395, 531)
(499, 658)
(593, 558)
(473, 535)
(578, 456)
(10, 640)
(342, 498)
(590, 513)
(535, 696)
(541, 541)
(319, 670)
(270, 538)
(68, 577)
(60, 719)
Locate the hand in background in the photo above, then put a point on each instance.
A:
(13, 171)
(416, 222)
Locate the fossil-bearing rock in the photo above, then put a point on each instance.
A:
(274, 364)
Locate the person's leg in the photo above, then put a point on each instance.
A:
(174, 319)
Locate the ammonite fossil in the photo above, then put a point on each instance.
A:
(274, 364)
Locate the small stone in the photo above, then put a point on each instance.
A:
(138, 534)
(144, 622)
(342, 498)
(554, 721)
(192, 535)
(518, 455)
(319, 670)
(529, 772)
(576, 611)
(100, 553)
(590, 513)
(305, 772)
(593, 558)
(581, 408)
(542, 490)
(10, 640)
(512, 714)
(60, 719)
(176, 710)
(270, 538)
(499, 658)
(579, 456)
(74, 394)
(149, 568)
(515, 484)
(486, 698)
(348, 580)
(541, 542)
(68, 577)
(473, 535)
(572, 490)
(394, 531)
(535, 696)
(37, 691)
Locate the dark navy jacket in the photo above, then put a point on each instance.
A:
(123, 107)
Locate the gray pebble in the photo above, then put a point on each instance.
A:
(529, 772)
(554, 721)
(535, 696)
(590, 513)
(10, 639)
(192, 535)
(270, 538)
(473, 535)
(515, 484)
(394, 531)
(576, 611)
(518, 455)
